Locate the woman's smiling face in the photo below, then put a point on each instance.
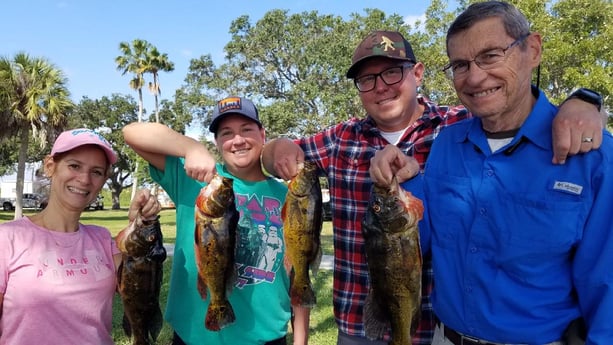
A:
(77, 176)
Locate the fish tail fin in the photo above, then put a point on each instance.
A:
(374, 326)
(155, 324)
(219, 315)
(125, 323)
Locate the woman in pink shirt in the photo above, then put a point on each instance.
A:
(57, 276)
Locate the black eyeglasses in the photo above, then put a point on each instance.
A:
(390, 76)
(486, 60)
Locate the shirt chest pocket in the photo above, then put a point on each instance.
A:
(356, 158)
(535, 236)
(352, 166)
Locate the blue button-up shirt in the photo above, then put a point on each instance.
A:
(520, 246)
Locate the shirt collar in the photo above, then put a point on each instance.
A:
(536, 128)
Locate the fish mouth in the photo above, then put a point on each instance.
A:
(215, 184)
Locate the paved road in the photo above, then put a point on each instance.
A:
(327, 261)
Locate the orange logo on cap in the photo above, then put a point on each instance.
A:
(229, 103)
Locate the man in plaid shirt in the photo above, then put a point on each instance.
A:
(387, 74)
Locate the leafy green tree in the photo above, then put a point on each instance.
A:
(428, 41)
(36, 102)
(109, 115)
(293, 66)
(577, 45)
(8, 155)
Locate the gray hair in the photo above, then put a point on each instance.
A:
(515, 23)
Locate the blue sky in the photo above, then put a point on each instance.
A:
(81, 37)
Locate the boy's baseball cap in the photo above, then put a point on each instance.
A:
(74, 138)
(234, 105)
(390, 44)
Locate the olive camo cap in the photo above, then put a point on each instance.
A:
(390, 44)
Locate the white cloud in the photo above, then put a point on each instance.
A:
(413, 19)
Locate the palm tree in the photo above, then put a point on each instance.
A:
(36, 101)
(139, 58)
(157, 62)
(135, 61)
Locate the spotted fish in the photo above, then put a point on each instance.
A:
(302, 223)
(393, 254)
(139, 279)
(215, 242)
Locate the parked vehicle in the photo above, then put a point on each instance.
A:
(97, 204)
(30, 200)
(7, 204)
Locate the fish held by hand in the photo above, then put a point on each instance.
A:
(139, 278)
(216, 220)
(302, 223)
(393, 254)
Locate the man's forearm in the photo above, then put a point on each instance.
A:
(268, 154)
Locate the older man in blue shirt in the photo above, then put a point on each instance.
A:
(521, 247)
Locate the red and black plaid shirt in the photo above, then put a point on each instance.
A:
(343, 152)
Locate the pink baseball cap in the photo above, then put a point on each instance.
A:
(74, 138)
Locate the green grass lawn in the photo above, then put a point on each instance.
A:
(322, 326)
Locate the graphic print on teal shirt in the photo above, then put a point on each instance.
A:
(259, 250)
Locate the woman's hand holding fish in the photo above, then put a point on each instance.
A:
(390, 162)
(199, 164)
(145, 203)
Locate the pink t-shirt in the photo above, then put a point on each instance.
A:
(58, 287)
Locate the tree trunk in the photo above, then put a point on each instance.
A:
(156, 92)
(157, 111)
(21, 171)
(140, 119)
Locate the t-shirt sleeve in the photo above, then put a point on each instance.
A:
(169, 177)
